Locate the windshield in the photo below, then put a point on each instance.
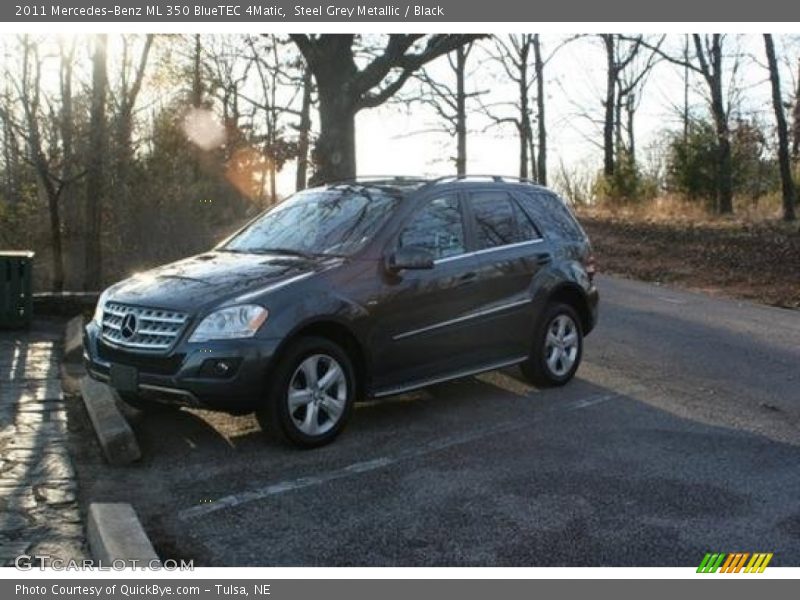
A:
(317, 222)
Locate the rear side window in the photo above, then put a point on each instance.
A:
(551, 215)
(499, 221)
(438, 228)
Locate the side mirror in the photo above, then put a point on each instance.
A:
(410, 257)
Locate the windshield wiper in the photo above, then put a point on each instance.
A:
(287, 251)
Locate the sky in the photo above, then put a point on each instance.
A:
(575, 85)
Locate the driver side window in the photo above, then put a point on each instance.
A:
(438, 228)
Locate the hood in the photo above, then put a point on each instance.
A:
(208, 279)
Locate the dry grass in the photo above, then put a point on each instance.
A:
(678, 210)
(751, 255)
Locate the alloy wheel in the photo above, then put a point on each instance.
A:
(317, 394)
(561, 344)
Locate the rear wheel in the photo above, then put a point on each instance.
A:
(557, 347)
(310, 394)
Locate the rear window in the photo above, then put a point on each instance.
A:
(551, 215)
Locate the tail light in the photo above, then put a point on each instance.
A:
(591, 267)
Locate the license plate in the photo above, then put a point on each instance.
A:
(124, 378)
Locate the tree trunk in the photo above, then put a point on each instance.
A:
(335, 151)
(532, 154)
(784, 160)
(197, 76)
(724, 167)
(724, 157)
(796, 119)
(273, 184)
(524, 124)
(610, 106)
(631, 110)
(95, 180)
(618, 107)
(710, 59)
(304, 133)
(11, 157)
(541, 160)
(68, 199)
(524, 161)
(55, 238)
(461, 112)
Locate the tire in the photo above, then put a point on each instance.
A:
(292, 392)
(557, 347)
(146, 406)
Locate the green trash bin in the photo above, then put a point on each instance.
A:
(16, 293)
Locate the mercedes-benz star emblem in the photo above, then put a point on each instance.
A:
(128, 327)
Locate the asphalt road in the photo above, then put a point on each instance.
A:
(678, 437)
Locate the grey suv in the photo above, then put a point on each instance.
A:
(359, 289)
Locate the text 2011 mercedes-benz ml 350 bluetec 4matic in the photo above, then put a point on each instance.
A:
(352, 290)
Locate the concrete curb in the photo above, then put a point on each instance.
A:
(115, 534)
(113, 432)
(71, 375)
(73, 340)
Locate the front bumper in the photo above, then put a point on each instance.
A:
(180, 377)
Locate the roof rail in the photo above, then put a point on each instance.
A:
(389, 181)
(381, 180)
(495, 178)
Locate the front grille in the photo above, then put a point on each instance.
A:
(145, 363)
(142, 328)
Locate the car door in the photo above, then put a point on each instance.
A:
(509, 251)
(418, 329)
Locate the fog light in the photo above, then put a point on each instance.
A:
(220, 367)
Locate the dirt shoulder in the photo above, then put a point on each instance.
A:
(755, 261)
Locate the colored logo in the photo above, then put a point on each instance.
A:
(735, 562)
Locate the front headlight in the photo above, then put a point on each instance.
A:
(229, 323)
(98, 310)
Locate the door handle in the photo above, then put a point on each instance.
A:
(544, 258)
(467, 278)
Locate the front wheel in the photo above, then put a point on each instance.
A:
(310, 394)
(557, 348)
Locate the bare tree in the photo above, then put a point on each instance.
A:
(630, 87)
(512, 53)
(784, 160)
(130, 84)
(50, 185)
(629, 60)
(708, 62)
(95, 183)
(344, 89)
(449, 102)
